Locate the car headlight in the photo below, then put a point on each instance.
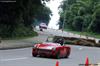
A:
(34, 46)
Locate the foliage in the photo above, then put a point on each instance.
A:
(16, 18)
(78, 23)
(82, 15)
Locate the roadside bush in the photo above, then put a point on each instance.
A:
(23, 31)
(78, 23)
(68, 42)
(19, 32)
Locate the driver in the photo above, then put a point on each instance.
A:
(61, 41)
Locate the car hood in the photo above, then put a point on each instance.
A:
(48, 46)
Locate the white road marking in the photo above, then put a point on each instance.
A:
(80, 48)
(12, 59)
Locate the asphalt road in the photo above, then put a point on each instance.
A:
(23, 57)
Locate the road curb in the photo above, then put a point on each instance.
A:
(16, 47)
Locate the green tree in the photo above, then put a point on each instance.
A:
(86, 11)
(21, 14)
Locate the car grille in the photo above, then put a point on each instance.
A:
(44, 50)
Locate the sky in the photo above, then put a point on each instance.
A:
(53, 5)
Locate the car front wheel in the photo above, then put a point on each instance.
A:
(34, 54)
(67, 54)
(58, 55)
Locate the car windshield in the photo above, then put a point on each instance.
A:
(42, 24)
(51, 43)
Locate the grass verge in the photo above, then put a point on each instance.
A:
(22, 36)
(90, 34)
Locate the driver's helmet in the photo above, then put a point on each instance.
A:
(61, 41)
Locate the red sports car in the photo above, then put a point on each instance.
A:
(54, 50)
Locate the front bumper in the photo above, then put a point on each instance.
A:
(44, 52)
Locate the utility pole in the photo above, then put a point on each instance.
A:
(64, 18)
(63, 22)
